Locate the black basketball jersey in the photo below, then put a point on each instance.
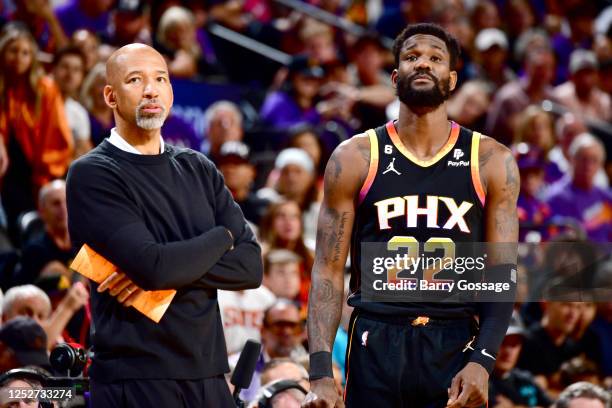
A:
(437, 200)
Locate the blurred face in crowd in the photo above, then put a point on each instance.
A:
(18, 56)
(486, 15)
(585, 81)
(587, 312)
(52, 208)
(493, 58)
(287, 222)
(562, 316)
(31, 306)
(423, 78)
(509, 352)
(181, 34)
(68, 74)
(584, 402)
(539, 132)
(238, 174)
(5, 402)
(285, 371)
(519, 16)
(283, 330)
(321, 47)
(283, 279)
(88, 44)
(224, 126)
(139, 89)
(532, 181)
(128, 25)
(469, 104)
(540, 66)
(306, 87)
(308, 142)
(294, 181)
(369, 58)
(587, 162)
(96, 92)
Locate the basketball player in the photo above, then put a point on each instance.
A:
(412, 354)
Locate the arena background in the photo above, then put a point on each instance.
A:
(267, 89)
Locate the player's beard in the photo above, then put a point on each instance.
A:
(426, 98)
(150, 121)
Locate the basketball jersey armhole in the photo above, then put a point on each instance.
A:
(367, 183)
(475, 168)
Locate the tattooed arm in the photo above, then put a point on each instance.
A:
(344, 175)
(500, 178)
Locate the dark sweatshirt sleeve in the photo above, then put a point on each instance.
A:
(101, 214)
(240, 268)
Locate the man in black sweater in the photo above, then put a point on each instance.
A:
(164, 217)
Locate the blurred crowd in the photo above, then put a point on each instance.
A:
(535, 75)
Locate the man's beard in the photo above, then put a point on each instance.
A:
(426, 98)
(149, 121)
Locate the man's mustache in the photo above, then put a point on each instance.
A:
(422, 73)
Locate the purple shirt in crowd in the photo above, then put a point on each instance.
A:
(73, 18)
(280, 110)
(593, 208)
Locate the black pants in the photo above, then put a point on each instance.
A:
(210, 392)
(391, 363)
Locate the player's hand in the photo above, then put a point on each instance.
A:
(323, 394)
(121, 287)
(470, 387)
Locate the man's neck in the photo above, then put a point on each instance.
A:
(61, 237)
(534, 89)
(145, 141)
(423, 131)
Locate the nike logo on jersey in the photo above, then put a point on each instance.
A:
(484, 353)
(391, 167)
(408, 206)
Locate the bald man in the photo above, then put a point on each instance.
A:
(164, 217)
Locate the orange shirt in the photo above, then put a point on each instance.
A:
(46, 139)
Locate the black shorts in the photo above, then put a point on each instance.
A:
(209, 392)
(392, 363)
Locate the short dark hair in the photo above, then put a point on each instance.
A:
(454, 49)
(68, 50)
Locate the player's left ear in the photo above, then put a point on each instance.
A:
(394, 78)
(452, 80)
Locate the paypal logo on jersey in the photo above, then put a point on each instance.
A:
(457, 155)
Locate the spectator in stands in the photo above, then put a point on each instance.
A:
(296, 101)
(92, 15)
(92, 97)
(370, 87)
(578, 369)
(578, 197)
(20, 383)
(548, 343)
(176, 36)
(588, 341)
(306, 137)
(129, 24)
(284, 368)
(33, 125)
(581, 93)
(282, 273)
(242, 313)
(283, 331)
(239, 173)
(583, 394)
(31, 301)
(515, 96)
(281, 228)
(468, 105)
(68, 73)
(535, 127)
(50, 253)
(22, 343)
(42, 22)
(602, 327)
(492, 57)
(223, 123)
(519, 17)
(533, 213)
(88, 43)
(509, 385)
(318, 40)
(293, 178)
(485, 15)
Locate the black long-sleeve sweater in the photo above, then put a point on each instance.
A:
(162, 220)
